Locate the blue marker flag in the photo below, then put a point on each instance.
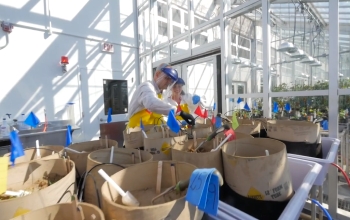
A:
(16, 147)
(195, 99)
(203, 190)
(214, 106)
(172, 122)
(246, 107)
(275, 107)
(32, 120)
(287, 107)
(218, 122)
(141, 125)
(68, 135)
(239, 100)
(109, 117)
(325, 125)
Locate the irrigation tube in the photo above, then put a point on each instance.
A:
(329, 217)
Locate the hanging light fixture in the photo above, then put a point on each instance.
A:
(299, 54)
(258, 67)
(316, 63)
(236, 61)
(287, 47)
(308, 59)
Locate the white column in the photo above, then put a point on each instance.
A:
(333, 69)
(266, 29)
(224, 55)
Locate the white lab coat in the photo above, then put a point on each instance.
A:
(146, 97)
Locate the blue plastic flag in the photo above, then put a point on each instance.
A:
(218, 122)
(109, 117)
(325, 125)
(275, 107)
(172, 122)
(16, 147)
(32, 120)
(195, 99)
(203, 190)
(141, 125)
(239, 100)
(287, 107)
(68, 135)
(214, 106)
(246, 107)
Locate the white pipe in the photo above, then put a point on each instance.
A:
(144, 134)
(110, 181)
(111, 157)
(222, 143)
(37, 149)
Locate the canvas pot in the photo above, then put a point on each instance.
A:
(23, 176)
(293, 131)
(206, 159)
(141, 181)
(46, 152)
(252, 174)
(202, 130)
(80, 159)
(121, 156)
(65, 211)
(160, 143)
(133, 137)
(247, 126)
(239, 135)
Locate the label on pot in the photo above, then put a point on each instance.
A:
(20, 212)
(255, 194)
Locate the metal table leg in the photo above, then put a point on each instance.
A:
(313, 205)
(320, 199)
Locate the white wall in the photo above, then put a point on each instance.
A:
(30, 76)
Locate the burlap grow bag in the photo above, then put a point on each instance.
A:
(293, 131)
(247, 126)
(80, 159)
(205, 159)
(252, 174)
(141, 181)
(121, 156)
(202, 130)
(239, 135)
(160, 143)
(64, 211)
(25, 176)
(46, 153)
(133, 137)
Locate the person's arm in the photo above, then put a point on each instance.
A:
(148, 98)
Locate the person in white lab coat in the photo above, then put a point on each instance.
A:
(185, 102)
(146, 103)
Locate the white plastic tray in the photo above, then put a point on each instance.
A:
(330, 150)
(303, 173)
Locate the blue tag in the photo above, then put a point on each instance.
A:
(203, 190)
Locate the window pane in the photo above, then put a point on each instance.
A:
(207, 36)
(176, 15)
(180, 47)
(181, 3)
(205, 10)
(161, 54)
(162, 10)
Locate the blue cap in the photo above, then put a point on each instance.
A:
(180, 81)
(170, 72)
